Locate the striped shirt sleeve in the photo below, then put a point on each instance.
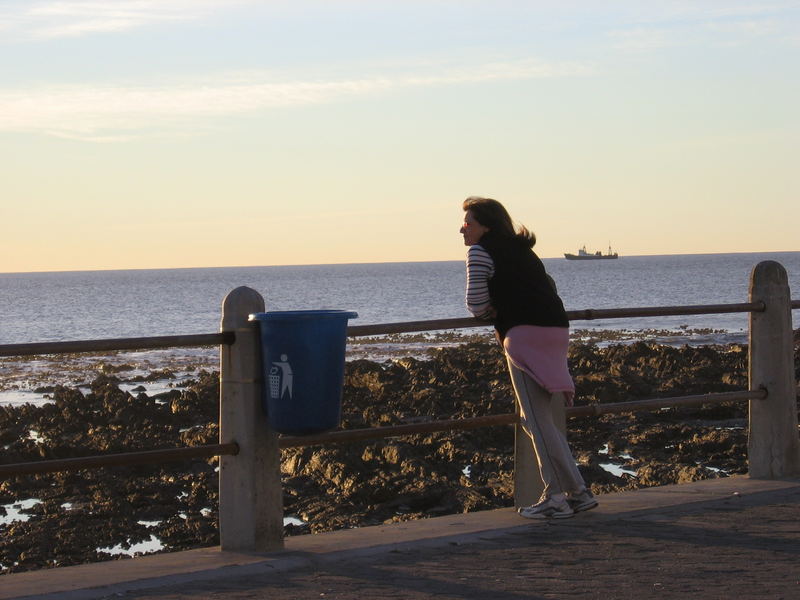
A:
(480, 269)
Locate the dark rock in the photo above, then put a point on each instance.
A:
(360, 483)
(105, 367)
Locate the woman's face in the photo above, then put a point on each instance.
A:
(472, 230)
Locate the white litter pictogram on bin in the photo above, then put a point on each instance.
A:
(280, 378)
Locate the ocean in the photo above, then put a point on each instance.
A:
(37, 307)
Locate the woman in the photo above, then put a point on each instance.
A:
(507, 283)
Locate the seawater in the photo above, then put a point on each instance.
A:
(37, 307)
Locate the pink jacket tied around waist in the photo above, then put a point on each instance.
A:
(541, 352)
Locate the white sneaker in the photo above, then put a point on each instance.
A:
(582, 501)
(547, 508)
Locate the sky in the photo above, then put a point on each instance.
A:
(202, 133)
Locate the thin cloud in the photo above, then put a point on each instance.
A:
(701, 24)
(67, 18)
(641, 39)
(115, 113)
(751, 28)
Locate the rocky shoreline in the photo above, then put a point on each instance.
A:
(90, 516)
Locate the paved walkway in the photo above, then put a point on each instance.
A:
(724, 538)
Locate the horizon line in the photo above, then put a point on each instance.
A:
(346, 263)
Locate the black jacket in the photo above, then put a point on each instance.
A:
(520, 290)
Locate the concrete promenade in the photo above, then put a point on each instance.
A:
(734, 537)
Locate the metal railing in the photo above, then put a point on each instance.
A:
(240, 390)
(137, 343)
(228, 338)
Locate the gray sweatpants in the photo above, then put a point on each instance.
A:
(556, 463)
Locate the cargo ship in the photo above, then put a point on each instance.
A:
(584, 255)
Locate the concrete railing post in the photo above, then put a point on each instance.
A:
(528, 484)
(773, 443)
(250, 495)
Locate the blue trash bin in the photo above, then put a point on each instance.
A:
(303, 365)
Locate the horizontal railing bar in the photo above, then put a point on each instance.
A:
(117, 460)
(637, 405)
(354, 435)
(212, 339)
(414, 326)
(138, 343)
(589, 314)
(795, 304)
